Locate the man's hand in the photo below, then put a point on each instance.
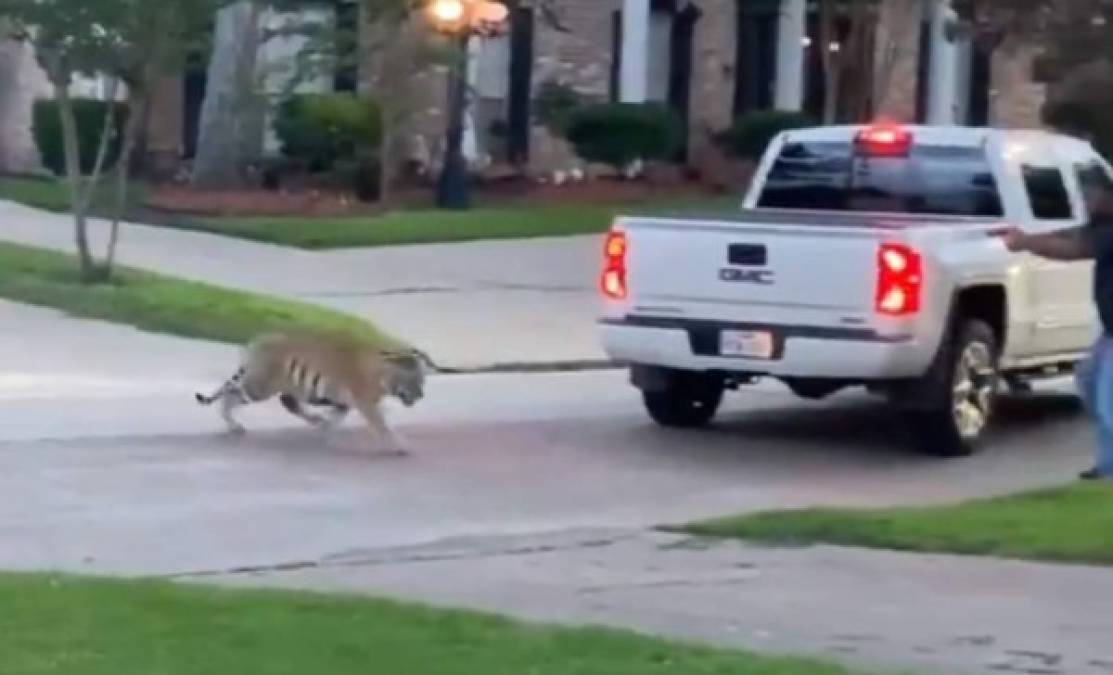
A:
(1015, 239)
(1065, 245)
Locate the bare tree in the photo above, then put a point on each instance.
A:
(132, 42)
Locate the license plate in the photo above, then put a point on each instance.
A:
(746, 344)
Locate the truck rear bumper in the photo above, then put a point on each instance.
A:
(855, 354)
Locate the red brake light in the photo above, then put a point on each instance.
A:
(900, 279)
(613, 281)
(884, 140)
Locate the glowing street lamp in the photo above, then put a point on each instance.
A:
(460, 20)
(447, 15)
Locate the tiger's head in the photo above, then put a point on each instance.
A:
(405, 376)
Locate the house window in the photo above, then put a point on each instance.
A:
(346, 75)
(1047, 193)
(981, 81)
(815, 80)
(616, 55)
(923, 72)
(755, 70)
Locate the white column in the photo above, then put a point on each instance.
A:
(634, 78)
(942, 80)
(792, 29)
(471, 139)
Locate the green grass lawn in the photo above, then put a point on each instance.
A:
(516, 220)
(157, 303)
(401, 227)
(53, 195)
(413, 226)
(1071, 524)
(49, 195)
(77, 626)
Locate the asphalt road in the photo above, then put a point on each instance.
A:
(138, 479)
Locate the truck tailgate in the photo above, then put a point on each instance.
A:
(714, 268)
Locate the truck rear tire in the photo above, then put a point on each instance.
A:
(961, 388)
(687, 401)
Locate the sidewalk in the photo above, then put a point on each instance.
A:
(938, 614)
(469, 305)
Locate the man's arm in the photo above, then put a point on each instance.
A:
(1066, 245)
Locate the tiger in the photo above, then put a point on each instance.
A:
(331, 372)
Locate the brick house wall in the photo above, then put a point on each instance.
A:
(581, 56)
(582, 59)
(1016, 98)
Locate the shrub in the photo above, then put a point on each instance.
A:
(322, 129)
(751, 134)
(1090, 117)
(619, 133)
(554, 105)
(89, 115)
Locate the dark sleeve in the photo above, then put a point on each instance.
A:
(1087, 234)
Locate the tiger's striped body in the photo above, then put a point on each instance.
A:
(321, 371)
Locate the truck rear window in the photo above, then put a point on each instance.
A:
(932, 180)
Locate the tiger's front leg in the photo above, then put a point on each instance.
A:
(382, 437)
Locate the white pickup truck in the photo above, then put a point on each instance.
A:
(862, 256)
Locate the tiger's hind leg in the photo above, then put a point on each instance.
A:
(294, 407)
(229, 402)
(231, 395)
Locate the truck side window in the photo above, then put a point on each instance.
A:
(1047, 193)
(1093, 175)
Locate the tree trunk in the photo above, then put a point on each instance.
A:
(232, 114)
(108, 130)
(858, 62)
(72, 150)
(139, 104)
(10, 53)
(386, 159)
(18, 152)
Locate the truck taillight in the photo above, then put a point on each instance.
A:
(900, 279)
(883, 140)
(613, 282)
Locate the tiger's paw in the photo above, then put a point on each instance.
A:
(392, 451)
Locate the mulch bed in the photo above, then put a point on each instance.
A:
(325, 203)
(193, 202)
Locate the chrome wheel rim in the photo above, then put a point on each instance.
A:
(975, 385)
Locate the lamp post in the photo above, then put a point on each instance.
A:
(460, 20)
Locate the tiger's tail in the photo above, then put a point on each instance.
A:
(232, 384)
